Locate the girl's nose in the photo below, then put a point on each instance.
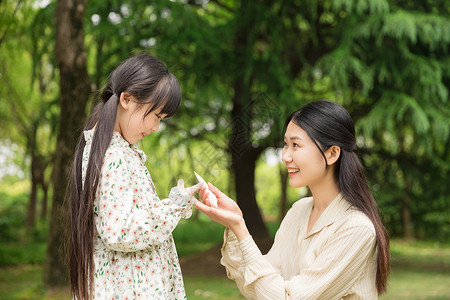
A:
(156, 127)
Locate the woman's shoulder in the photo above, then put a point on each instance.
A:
(303, 203)
(301, 206)
(356, 217)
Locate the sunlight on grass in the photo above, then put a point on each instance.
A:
(417, 285)
(211, 288)
(25, 282)
(421, 251)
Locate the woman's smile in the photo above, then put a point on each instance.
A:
(293, 171)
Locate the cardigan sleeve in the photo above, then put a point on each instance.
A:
(338, 265)
(129, 216)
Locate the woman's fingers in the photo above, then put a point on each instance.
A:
(215, 190)
(201, 191)
(202, 207)
(204, 193)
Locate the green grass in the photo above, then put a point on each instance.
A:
(25, 282)
(211, 288)
(420, 270)
(418, 285)
(421, 255)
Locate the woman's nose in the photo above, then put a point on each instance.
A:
(286, 156)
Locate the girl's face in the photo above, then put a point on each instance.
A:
(304, 162)
(131, 123)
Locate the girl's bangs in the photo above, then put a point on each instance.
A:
(167, 96)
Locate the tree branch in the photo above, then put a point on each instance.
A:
(9, 23)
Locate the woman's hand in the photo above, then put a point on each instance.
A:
(227, 212)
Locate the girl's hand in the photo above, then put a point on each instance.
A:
(227, 212)
(193, 189)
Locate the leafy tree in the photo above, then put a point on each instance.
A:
(394, 54)
(245, 66)
(27, 103)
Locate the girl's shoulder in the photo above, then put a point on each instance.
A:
(116, 140)
(88, 135)
(118, 148)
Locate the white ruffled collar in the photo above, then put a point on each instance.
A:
(116, 140)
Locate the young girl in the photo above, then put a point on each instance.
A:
(121, 244)
(329, 246)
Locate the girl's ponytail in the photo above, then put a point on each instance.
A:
(81, 248)
(353, 186)
(328, 123)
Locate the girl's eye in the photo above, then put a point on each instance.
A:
(158, 116)
(296, 145)
(285, 144)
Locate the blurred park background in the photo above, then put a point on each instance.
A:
(244, 66)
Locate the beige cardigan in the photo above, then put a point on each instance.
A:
(335, 260)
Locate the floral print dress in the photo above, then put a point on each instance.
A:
(135, 255)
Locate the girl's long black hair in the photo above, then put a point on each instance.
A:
(148, 80)
(328, 123)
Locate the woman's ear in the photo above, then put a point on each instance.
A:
(125, 100)
(332, 154)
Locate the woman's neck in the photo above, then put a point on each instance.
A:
(323, 193)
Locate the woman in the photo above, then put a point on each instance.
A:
(332, 245)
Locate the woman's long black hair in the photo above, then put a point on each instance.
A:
(328, 123)
(148, 80)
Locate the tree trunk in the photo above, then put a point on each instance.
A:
(44, 201)
(406, 211)
(244, 170)
(243, 160)
(283, 201)
(243, 154)
(44, 186)
(74, 93)
(31, 208)
(35, 169)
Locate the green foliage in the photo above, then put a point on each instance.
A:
(192, 236)
(12, 212)
(268, 190)
(361, 7)
(12, 254)
(386, 61)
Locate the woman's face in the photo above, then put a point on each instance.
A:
(131, 123)
(304, 161)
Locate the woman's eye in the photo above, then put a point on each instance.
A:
(285, 144)
(158, 116)
(296, 145)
